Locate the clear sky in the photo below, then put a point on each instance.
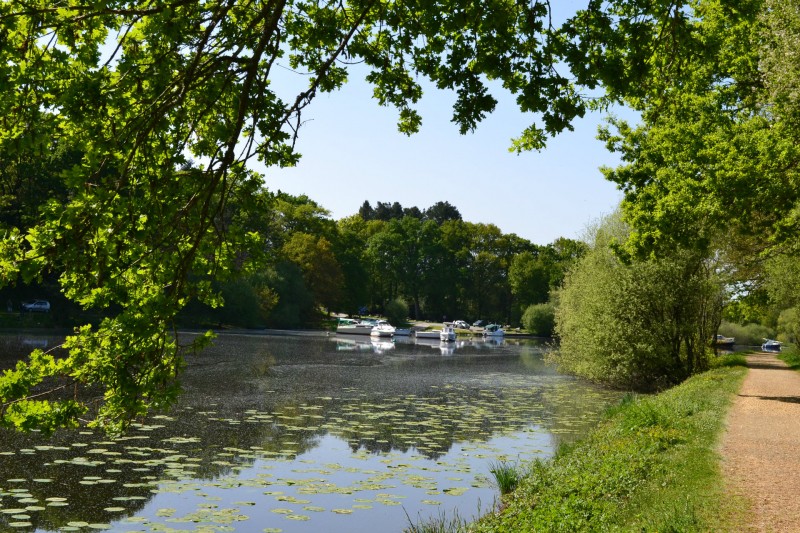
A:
(352, 152)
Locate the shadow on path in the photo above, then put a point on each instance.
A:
(787, 399)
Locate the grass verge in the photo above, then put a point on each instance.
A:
(791, 356)
(652, 465)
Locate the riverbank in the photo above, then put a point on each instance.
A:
(652, 465)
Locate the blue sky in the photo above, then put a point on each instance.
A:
(353, 152)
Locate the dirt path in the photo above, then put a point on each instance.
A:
(761, 448)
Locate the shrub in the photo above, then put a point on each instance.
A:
(748, 334)
(539, 319)
(396, 311)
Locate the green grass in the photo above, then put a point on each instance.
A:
(438, 524)
(506, 476)
(652, 465)
(791, 356)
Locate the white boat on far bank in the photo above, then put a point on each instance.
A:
(493, 330)
(382, 329)
(348, 326)
(771, 345)
(447, 334)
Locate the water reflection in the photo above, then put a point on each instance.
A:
(304, 434)
(361, 343)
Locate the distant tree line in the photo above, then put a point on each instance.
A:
(310, 265)
(440, 266)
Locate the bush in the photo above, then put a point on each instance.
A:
(539, 319)
(396, 311)
(748, 334)
(638, 324)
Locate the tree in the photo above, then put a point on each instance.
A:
(716, 153)
(644, 324)
(529, 280)
(321, 271)
(396, 311)
(442, 211)
(138, 88)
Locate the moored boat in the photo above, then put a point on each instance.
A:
(720, 341)
(353, 327)
(447, 334)
(382, 329)
(493, 330)
(771, 345)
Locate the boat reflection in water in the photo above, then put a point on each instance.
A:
(356, 343)
(375, 345)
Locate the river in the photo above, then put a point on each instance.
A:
(304, 434)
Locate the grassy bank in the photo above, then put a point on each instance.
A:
(791, 356)
(652, 465)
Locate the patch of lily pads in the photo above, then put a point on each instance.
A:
(414, 451)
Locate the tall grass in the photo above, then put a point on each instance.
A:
(506, 476)
(791, 356)
(438, 524)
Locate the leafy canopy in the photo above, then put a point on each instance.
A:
(165, 104)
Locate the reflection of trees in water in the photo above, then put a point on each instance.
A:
(255, 400)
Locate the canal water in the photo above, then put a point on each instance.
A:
(304, 434)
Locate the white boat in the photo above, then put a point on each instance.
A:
(352, 327)
(721, 341)
(382, 329)
(493, 330)
(447, 334)
(355, 329)
(771, 345)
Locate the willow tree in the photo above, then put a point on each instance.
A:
(643, 324)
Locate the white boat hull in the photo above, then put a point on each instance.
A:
(354, 330)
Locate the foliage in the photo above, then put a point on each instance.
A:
(530, 283)
(539, 319)
(789, 325)
(791, 356)
(438, 212)
(652, 466)
(643, 324)
(321, 271)
(396, 311)
(713, 165)
(294, 301)
(748, 334)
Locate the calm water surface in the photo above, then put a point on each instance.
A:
(303, 434)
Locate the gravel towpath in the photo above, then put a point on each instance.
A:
(761, 447)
